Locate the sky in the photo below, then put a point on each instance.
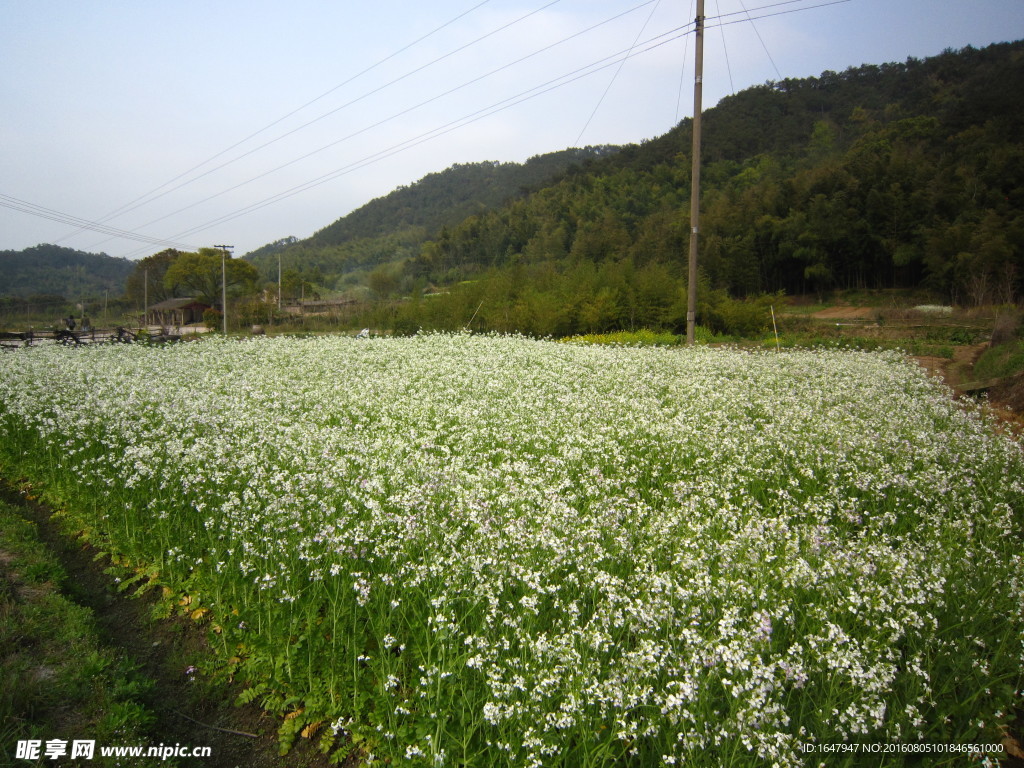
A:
(191, 124)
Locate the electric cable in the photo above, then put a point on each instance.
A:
(682, 69)
(395, 149)
(761, 40)
(454, 125)
(777, 13)
(492, 72)
(480, 114)
(725, 48)
(16, 204)
(758, 8)
(394, 116)
(129, 206)
(615, 76)
(473, 117)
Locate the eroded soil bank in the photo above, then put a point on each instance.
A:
(188, 710)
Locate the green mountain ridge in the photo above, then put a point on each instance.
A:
(53, 270)
(895, 175)
(394, 226)
(902, 175)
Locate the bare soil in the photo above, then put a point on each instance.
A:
(189, 712)
(845, 313)
(1005, 401)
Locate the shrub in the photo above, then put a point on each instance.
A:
(748, 317)
(1006, 328)
(212, 318)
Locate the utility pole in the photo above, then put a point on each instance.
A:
(224, 283)
(279, 282)
(691, 292)
(145, 298)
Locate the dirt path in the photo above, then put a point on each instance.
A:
(191, 712)
(955, 371)
(1005, 401)
(845, 313)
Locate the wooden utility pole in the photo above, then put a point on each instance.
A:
(691, 287)
(224, 283)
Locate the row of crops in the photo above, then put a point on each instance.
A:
(492, 551)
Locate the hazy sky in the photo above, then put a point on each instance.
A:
(195, 120)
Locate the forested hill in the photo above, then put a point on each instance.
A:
(899, 175)
(448, 197)
(894, 175)
(53, 270)
(394, 225)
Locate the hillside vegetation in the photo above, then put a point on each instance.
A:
(395, 226)
(53, 270)
(903, 175)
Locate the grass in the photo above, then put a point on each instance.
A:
(58, 680)
(471, 550)
(646, 337)
(827, 340)
(1003, 360)
(641, 338)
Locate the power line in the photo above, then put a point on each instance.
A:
(131, 205)
(492, 109)
(114, 232)
(616, 75)
(682, 69)
(758, 8)
(725, 49)
(761, 40)
(475, 80)
(500, 106)
(518, 99)
(777, 13)
(394, 116)
(42, 212)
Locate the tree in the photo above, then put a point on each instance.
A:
(147, 279)
(199, 275)
(383, 281)
(292, 284)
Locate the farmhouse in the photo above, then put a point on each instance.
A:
(176, 312)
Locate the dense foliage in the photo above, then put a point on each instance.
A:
(895, 176)
(393, 227)
(900, 175)
(468, 550)
(61, 272)
(199, 275)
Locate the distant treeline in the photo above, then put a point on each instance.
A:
(50, 270)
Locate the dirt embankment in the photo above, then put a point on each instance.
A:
(845, 313)
(189, 710)
(954, 371)
(1005, 399)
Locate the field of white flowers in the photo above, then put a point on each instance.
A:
(466, 550)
